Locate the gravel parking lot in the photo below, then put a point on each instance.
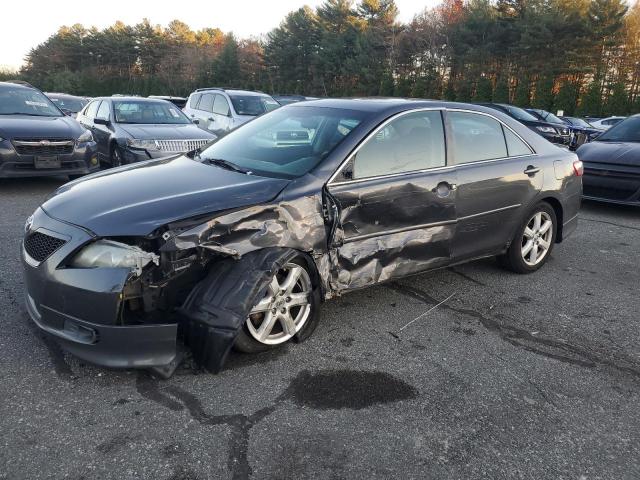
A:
(513, 377)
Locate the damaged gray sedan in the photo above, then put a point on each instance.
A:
(239, 244)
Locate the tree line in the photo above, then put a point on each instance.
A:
(580, 56)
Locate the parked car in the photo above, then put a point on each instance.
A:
(551, 132)
(36, 138)
(220, 110)
(131, 129)
(612, 164)
(606, 123)
(582, 128)
(238, 245)
(69, 104)
(287, 99)
(565, 130)
(179, 102)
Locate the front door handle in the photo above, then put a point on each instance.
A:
(531, 170)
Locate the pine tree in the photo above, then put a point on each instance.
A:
(501, 92)
(591, 101)
(566, 99)
(618, 101)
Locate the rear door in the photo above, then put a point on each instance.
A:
(222, 115)
(204, 112)
(394, 202)
(498, 176)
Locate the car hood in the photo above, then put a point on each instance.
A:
(187, 131)
(615, 153)
(27, 126)
(136, 199)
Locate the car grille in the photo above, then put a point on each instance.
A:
(181, 145)
(40, 246)
(43, 146)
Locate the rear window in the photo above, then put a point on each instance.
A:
(253, 104)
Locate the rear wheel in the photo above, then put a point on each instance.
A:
(533, 242)
(288, 311)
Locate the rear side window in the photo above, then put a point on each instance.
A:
(410, 142)
(515, 146)
(92, 108)
(476, 137)
(206, 102)
(193, 101)
(220, 105)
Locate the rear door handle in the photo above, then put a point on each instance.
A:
(531, 170)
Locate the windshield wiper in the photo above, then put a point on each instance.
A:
(218, 162)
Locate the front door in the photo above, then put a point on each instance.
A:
(395, 203)
(497, 179)
(102, 133)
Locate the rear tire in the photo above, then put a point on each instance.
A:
(288, 311)
(533, 242)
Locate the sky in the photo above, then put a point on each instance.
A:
(26, 24)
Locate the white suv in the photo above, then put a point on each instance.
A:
(219, 110)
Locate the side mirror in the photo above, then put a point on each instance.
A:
(195, 121)
(68, 113)
(100, 121)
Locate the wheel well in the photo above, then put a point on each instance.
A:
(557, 208)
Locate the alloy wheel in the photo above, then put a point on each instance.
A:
(285, 307)
(537, 238)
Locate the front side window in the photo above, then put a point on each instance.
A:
(476, 137)
(147, 112)
(411, 142)
(220, 105)
(285, 143)
(91, 110)
(103, 111)
(25, 101)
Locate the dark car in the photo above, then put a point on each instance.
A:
(69, 104)
(238, 245)
(132, 129)
(179, 102)
(548, 130)
(612, 164)
(36, 138)
(563, 128)
(584, 132)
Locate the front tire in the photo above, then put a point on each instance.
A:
(532, 245)
(288, 311)
(116, 156)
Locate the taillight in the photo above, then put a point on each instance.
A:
(578, 168)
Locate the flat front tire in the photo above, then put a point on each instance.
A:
(288, 311)
(533, 242)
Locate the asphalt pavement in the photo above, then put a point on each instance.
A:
(532, 377)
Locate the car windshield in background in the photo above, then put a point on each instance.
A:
(286, 143)
(625, 131)
(132, 111)
(253, 104)
(549, 117)
(520, 114)
(578, 122)
(24, 101)
(72, 104)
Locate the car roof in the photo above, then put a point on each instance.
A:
(132, 98)
(381, 104)
(17, 85)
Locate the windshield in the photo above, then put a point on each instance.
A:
(578, 122)
(626, 131)
(549, 117)
(69, 103)
(286, 143)
(144, 112)
(25, 101)
(253, 104)
(520, 114)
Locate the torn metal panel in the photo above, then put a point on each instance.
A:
(218, 306)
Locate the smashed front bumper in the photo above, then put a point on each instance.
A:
(81, 307)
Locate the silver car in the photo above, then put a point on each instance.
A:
(220, 110)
